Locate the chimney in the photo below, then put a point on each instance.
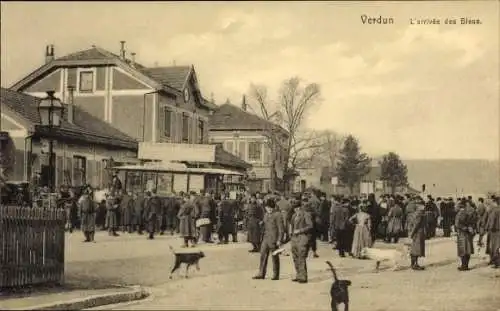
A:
(132, 59)
(212, 99)
(49, 53)
(244, 103)
(122, 50)
(71, 105)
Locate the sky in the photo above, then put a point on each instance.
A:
(423, 91)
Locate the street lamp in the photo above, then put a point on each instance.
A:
(50, 110)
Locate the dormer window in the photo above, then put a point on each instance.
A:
(86, 81)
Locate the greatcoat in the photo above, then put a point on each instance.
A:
(416, 230)
(465, 221)
(395, 220)
(254, 214)
(186, 215)
(87, 213)
(493, 229)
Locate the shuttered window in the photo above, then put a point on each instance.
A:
(267, 155)
(254, 151)
(201, 131)
(185, 127)
(242, 150)
(79, 170)
(98, 173)
(91, 174)
(68, 171)
(167, 122)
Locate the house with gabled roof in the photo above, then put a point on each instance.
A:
(160, 104)
(245, 135)
(83, 142)
(162, 108)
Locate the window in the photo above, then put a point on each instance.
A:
(185, 127)
(79, 170)
(229, 147)
(254, 151)
(201, 130)
(165, 183)
(241, 150)
(167, 122)
(86, 81)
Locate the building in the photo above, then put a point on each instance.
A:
(83, 143)
(160, 104)
(162, 107)
(245, 135)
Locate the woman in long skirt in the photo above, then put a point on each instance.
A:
(362, 237)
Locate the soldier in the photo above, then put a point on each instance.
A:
(481, 221)
(416, 232)
(187, 215)
(87, 214)
(339, 222)
(493, 229)
(302, 226)
(324, 215)
(206, 206)
(272, 238)
(172, 208)
(465, 222)
(254, 215)
(137, 215)
(432, 214)
(111, 220)
(394, 221)
(151, 211)
(127, 207)
(226, 220)
(312, 205)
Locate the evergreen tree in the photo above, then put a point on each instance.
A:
(394, 171)
(353, 165)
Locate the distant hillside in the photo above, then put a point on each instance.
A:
(467, 177)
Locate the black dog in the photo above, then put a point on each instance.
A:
(186, 258)
(339, 292)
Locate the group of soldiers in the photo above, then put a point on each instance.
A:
(271, 219)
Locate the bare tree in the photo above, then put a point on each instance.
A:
(286, 136)
(328, 145)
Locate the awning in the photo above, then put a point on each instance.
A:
(175, 168)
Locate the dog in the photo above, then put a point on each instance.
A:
(189, 259)
(393, 256)
(339, 292)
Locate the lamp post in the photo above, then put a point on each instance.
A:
(50, 110)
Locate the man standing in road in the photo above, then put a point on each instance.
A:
(302, 227)
(153, 207)
(465, 223)
(493, 229)
(272, 237)
(339, 220)
(417, 234)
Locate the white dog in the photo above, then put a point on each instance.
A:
(393, 256)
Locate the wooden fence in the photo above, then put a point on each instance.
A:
(31, 246)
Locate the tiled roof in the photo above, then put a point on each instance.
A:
(93, 53)
(173, 76)
(85, 125)
(225, 158)
(230, 117)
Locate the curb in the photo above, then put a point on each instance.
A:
(136, 293)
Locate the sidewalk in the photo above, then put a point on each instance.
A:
(73, 299)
